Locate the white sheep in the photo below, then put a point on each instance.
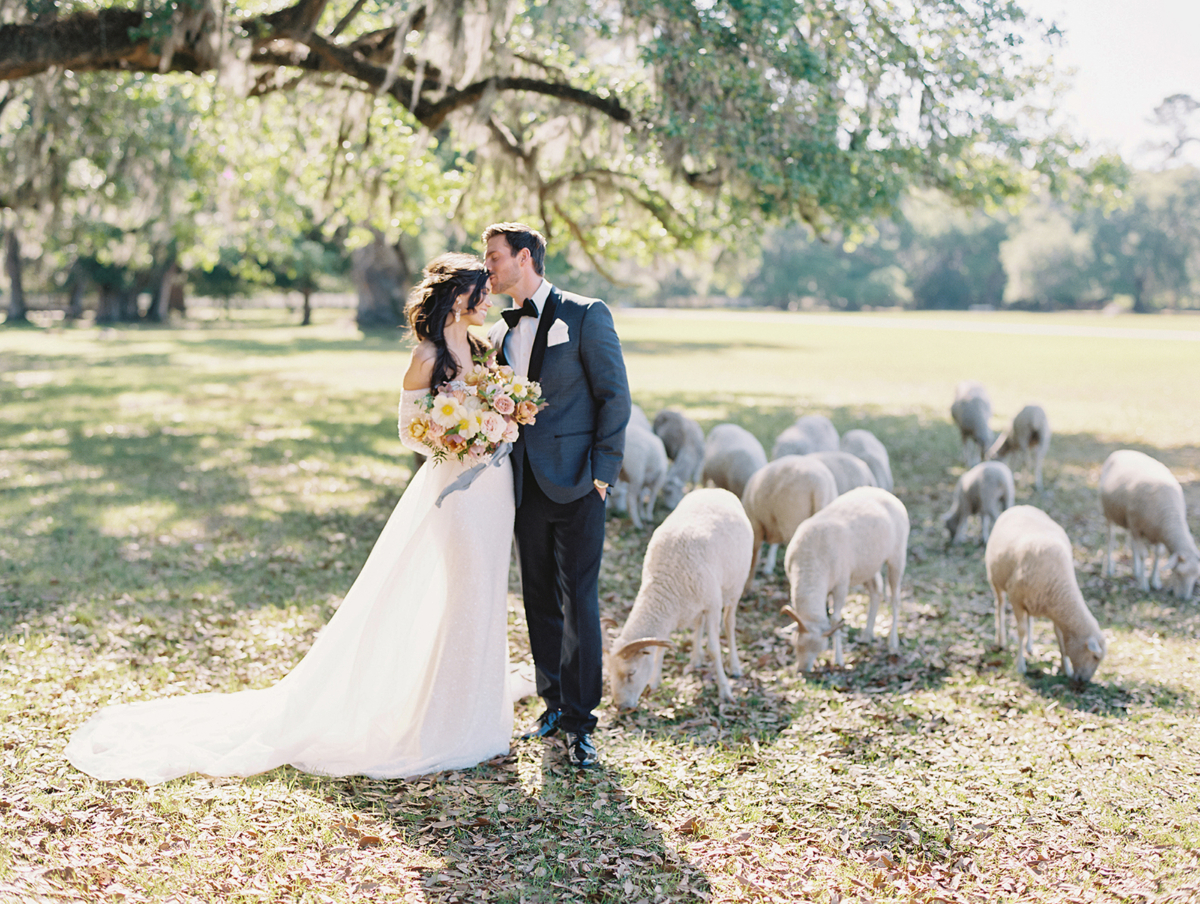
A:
(643, 473)
(684, 442)
(811, 433)
(971, 411)
(849, 471)
(1141, 495)
(1029, 560)
(619, 491)
(985, 490)
(845, 544)
(692, 577)
(779, 496)
(865, 445)
(1029, 435)
(731, 455)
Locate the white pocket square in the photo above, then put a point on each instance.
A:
(558, 334)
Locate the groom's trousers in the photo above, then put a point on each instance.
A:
(559, 547)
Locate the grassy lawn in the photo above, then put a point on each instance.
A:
(182, 508)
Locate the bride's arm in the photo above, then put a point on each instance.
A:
(417, 377)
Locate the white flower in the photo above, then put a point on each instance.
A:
(446, 410)
(471, 423)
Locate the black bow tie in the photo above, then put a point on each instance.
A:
(512, 316)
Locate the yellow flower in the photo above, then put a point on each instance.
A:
(446, 410)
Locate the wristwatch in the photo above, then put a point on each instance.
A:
(600, 484)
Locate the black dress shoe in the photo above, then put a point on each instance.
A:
(547, 724)
(581, 753)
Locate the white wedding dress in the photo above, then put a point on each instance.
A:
(410, 675)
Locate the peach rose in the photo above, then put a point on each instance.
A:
(504, 404)
(526, 412)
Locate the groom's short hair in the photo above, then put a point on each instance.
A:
(519, 236)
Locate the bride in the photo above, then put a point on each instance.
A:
(410, 675)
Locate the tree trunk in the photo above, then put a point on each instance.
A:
(160, 307)
(108, 308)
(76, 283)
(379, 276)
(307, 321)
(17, 312)
(1139, 295)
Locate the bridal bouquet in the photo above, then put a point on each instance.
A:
(470, 418)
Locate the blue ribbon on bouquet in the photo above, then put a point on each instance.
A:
(466, 478)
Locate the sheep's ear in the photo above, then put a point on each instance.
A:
(636, 646)
(791, 613)
(1094, 645)
(609, 624)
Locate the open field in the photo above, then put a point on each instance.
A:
(183, 508)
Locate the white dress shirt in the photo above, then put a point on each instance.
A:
(519, 341)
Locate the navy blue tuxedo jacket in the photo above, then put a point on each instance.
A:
(580, 435)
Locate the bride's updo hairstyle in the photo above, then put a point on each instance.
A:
(432, 301)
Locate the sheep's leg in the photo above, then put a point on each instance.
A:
(1001, 633)
(985, 524)
(1156, 550)
(712, 621)
(1022, 619)
(874, 593)
(895, 573)
(1038, 455)
(1139, 561)
(697, 657)
(657, 669)
(839, 601)
(1062, 652)
(634, 505)
(1108, 556)
(758, 541)
(731, 604)
(772, 555)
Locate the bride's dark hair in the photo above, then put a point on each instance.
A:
(431, 301)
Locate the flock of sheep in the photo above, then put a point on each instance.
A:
(828, 500)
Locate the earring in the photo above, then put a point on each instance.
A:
(457, 316)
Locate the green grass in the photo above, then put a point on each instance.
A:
(181, 509)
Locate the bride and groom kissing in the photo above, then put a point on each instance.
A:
(410, 675)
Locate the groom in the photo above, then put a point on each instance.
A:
(562, 467)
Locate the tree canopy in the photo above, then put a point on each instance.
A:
(634, 123)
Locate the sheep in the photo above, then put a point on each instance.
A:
(811, 433)
(867, 446)
(1029, 560)
(731, 455)
(985, 490)
(643, 473)
(781, 495)
(849, 471)
(692, 577)
(845, 544)
(1029, 434)
(620, 489)
(1141, 495)
(684, 442)
(971, 411)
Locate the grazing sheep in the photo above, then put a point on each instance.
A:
(1029, 560)
(985, 490)
(1141, 495)
(637, 418)
(643, 473)
(692, 577)
(781, 495)
(971, 411)
(849, 471)
(684, 442)
(811, 433)
(1030, 435)
(731, 455)
(865, 445)
(845, 544)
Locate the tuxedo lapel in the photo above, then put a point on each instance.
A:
(539, 341)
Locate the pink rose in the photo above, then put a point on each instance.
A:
(526, 412)
(435, 430)
(454, 444)
(504, 404)
(511, 432)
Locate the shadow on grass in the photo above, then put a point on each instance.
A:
(577, 837)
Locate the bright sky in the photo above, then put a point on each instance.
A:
(1129, 56)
